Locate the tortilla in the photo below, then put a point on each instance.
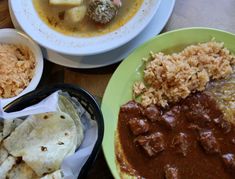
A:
(21, 171)
(43, 141)
(3, 154)
(6, 166)
(67, 106)
(55, 175)
(10, 125)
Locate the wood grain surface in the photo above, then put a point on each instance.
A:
(5, 20)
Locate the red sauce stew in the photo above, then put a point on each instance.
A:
(189, 139)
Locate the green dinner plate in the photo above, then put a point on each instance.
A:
(119, 89)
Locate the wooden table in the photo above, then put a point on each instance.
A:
(208, 13)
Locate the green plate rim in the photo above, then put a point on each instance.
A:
(124, 65)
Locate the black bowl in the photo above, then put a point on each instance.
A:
(86, 99)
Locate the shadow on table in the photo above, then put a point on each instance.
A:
(100, 168)
(52, 74)
(100, 70)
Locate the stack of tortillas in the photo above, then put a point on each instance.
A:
(36, 147)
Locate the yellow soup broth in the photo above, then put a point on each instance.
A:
(50, 14)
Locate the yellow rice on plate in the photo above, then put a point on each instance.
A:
(17, 65)
(169, 78)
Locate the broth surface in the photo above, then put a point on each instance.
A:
(85, 28)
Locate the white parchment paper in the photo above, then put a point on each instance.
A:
(73, 164)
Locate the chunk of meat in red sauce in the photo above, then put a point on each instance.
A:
(197, 115)
(229, 161)
(194, 127)
(233, 140)
(224, 125)
(169, 119)
(171, 172)
(132, 109)
(208, 142)
(138, 126)
(152, 112)
(180, 144)
(152, 144)
(197, 109)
